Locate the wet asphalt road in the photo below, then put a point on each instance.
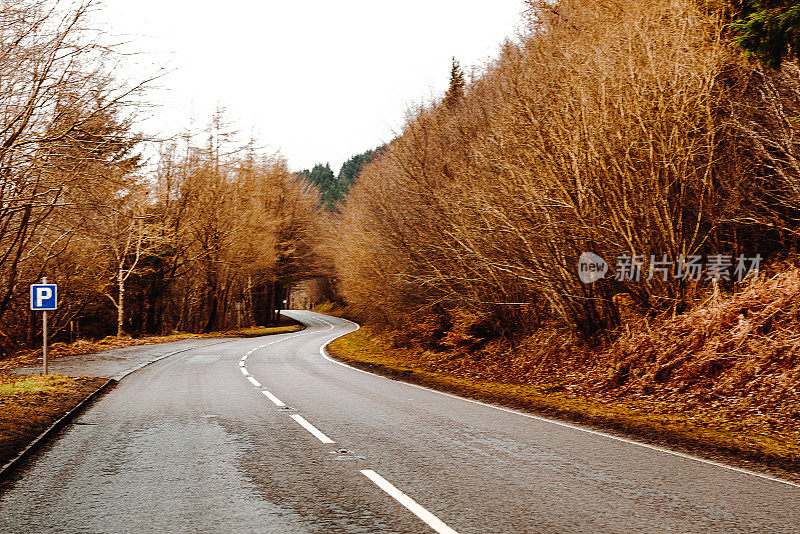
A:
(193, 443)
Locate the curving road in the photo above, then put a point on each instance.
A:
(269, 435)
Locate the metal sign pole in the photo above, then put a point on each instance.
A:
(44, 297)
(44, 334)
(44, 340)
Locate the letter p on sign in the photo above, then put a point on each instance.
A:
(44, 297)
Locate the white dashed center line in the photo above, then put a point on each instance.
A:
(311, 428)
(275, 400)
(431, 520)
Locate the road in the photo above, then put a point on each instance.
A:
(268, 435)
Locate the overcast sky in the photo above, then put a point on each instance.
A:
(318, 81)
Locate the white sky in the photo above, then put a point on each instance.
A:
(318, 81)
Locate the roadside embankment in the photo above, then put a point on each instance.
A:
(722, 381)
(29, 405)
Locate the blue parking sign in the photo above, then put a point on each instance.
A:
(44, 297)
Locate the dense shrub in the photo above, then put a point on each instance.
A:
(618, 127)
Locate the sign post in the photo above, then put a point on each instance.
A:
(44, 298)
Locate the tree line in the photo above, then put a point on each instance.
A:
(334, 188)
(204, 237)
(627, 129)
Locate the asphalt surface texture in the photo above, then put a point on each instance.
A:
(269, 435)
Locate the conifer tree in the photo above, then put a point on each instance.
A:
(322, 177)
(456, 89)
(351, 169)
(769, 30)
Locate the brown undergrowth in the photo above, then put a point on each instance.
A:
(733, 358)
(30, 404)
(721, 380)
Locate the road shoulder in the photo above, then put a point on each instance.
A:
(635, 420)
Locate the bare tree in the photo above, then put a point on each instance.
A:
(615, 127)
(57, 99)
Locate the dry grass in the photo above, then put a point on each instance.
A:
(33, 356)
(30, 404)
(736, 357)
(331, 308)
(721, 381)
(265, 330)
(735, 343)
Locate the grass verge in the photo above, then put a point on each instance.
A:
(693, 431)
(26, 358)
(265, 330)
(30, 404)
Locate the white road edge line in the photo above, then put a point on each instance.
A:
(275, 400)
(244, 371)
(308, 426)
(431, 520)
(253, 381)
(563, 424)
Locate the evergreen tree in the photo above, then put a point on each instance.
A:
(322, 177)
(333, 189)
(769, 30)
(351, 169)
(457, 83)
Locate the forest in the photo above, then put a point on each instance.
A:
(626, 129)
(663, 135)
(602, 224)
(204, 235)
